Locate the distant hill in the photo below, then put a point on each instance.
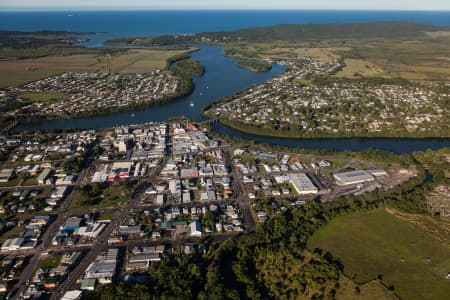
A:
(35, 39)
(294, 32)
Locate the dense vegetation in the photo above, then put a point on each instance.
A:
(254, 65)
(294, 32)
(19, 39)
(188, 68)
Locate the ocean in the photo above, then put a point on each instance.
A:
(142, 23)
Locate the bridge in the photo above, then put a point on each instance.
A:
(209, 121)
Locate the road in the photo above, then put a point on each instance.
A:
(241, 196)
(62, 214)
(101, 243)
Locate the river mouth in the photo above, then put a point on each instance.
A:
(223, 78)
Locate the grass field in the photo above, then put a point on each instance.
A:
(372, 290)
(320, 54)
(142, 60)
(361, 68)
(21, 71)
(42, 96)
(49, 261)
(377, 243)
(111, 196)
(417, 59)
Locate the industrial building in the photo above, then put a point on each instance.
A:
(353, 177)
(302, 184)
(104, 268)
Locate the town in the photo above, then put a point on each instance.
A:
(84, 209)
(302, 102)
(94, 93)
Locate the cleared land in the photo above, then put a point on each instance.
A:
(321, 54)
(21, 71)
(361, 68)
(413, 59)
(377, 243)
(142, 60)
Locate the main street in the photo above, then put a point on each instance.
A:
(101, 243)
(30, 269)
(241, 196)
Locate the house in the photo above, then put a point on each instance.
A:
(195, 229)
(6, 174)
(42, 178)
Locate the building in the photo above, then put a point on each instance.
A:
(90, 231)
(302, 184)
(104, 268)
(195, 229)
(43, 176)
(88, 284)
(121, 169)
(189, 173)
(353, 177)
(72, 224)
(59, 193)
(72, 295)
(130, 232)
(6, 175)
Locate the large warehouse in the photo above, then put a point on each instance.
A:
(353, 177)
(302, 184)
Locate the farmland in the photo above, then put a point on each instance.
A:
(379, 245)
(21, 71)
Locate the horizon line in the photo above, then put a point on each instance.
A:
(94, 9)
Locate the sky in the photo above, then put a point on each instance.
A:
(225, 4)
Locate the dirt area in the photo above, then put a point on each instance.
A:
(9, 65)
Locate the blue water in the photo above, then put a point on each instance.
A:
(139, 23)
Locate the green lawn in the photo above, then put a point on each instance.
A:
(12, 182)
(111, 196)
(376, 243)
(42, 96)
(49, 261)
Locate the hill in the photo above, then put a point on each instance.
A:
(295, 32)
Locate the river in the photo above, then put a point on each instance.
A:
(222, 78)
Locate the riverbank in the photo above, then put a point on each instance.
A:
(268, 132)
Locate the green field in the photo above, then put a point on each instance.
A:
(372, 290)
(49, 261)
(98, 198)
(18, 71)
(42, 96)
(361, 68)
(142, 60)
(376, 243)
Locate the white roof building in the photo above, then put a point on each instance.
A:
(195, 229)
(353, 177)
(302, 184)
